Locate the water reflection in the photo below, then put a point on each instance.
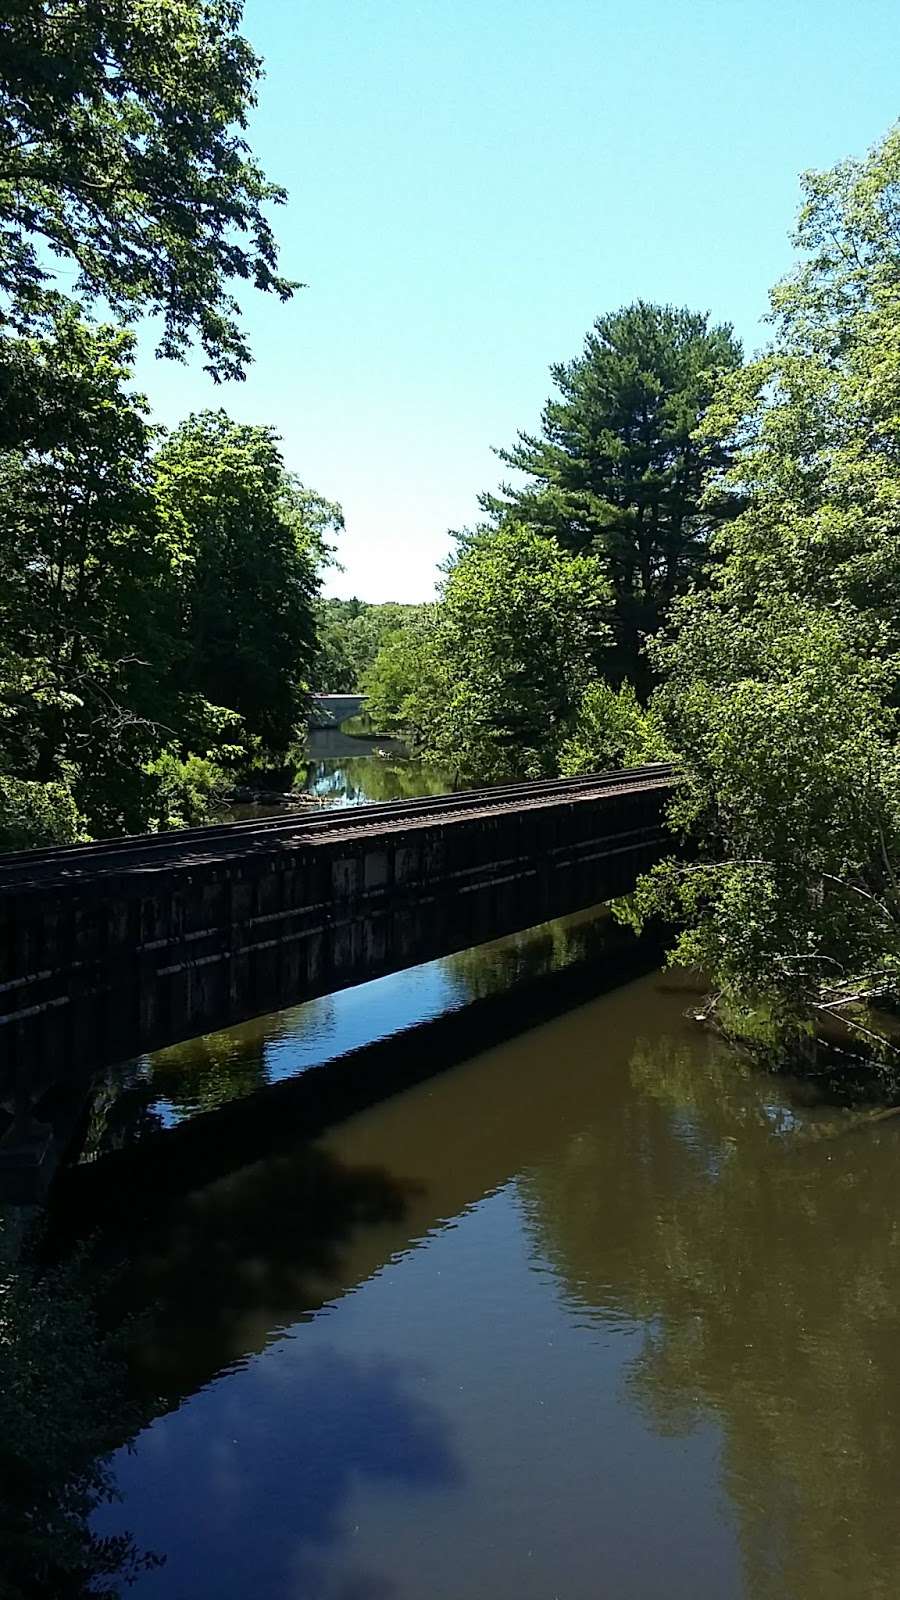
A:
(160, 1089)
(350, 769)
(382, 772)
(647, 1297)
(358, 1425)
(235, 1264)
(762, 1259)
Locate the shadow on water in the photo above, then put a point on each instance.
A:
(211, 1282)
(233, 1263)
(234, 1223)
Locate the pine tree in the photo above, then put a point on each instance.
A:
(616, 470)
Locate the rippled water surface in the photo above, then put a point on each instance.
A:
(598, 1312)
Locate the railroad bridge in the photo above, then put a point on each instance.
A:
(110, 949)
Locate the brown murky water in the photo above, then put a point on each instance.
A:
(599, 1312)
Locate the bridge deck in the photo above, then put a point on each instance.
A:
(140, 853)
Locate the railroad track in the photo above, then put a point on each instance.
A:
(21, 867)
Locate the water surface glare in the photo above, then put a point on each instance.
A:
(599, 1312)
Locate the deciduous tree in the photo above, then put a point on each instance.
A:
(156, 604)
(492, 681)
(783, 679)
(351, 634)
(123, 158)
(246, 541)
(84, 650)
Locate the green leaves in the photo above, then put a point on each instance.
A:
(617, 469)
(141, 584)
(351, 634)
(782, 680)
(611, 729)
(156, 605)
(122, 155)
(82, 572)
(245, 541)
(490, 679)
(36, 814)
(188, 792)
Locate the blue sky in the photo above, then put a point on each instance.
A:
(472, 183)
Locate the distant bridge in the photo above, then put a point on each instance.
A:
(113, 948)
(330, 710)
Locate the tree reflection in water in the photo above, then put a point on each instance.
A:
(201, 1074)
(760, 1248)
(585, 936)
(374, 778)
(740, 1235)
(194, 1076)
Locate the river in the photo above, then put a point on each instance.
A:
(599, 1311)
(342, 769)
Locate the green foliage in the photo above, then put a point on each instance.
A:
(491, 684)
(350, 635)
(245, 541)
(189, 793)
(403, 683)
(782, 679)
(122, 154)
(36, 814)
(618, 471)
(492, 676)
(63, 1409)
(149, 592)
(611, 729)
(83, 580)
(335, 670)
(149, 600)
